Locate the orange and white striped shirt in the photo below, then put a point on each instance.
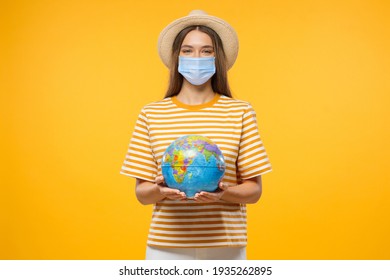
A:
(229, 123)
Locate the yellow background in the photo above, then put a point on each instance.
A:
(74, 75)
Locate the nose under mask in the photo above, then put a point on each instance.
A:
(197, 70)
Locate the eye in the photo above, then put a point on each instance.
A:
(208, 51)
(186, 51)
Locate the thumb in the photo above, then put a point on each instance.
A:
(223, 186)
(159, 180)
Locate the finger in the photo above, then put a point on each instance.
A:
(223, 186)
(167, 191)
(174, 197)
(181, 195)
(200, 199)
(204, 197)
(173, 194)
(215, 196)
(197, 197)
(204, 200)
(159, 180)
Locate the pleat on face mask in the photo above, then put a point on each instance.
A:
(197, 70)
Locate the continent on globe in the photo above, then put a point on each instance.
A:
(193, 163)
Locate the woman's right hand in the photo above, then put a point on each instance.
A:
(173, 194)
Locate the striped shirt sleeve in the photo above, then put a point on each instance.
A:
(140, 161)
(252, 158)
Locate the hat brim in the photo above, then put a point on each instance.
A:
(222, 28)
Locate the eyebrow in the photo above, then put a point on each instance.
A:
(189, 46)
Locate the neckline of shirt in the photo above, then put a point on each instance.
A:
(195, 107)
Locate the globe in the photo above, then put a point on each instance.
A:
(193, 163)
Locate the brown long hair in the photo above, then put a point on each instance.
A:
(219, 81)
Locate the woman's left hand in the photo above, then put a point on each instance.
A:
(207, 197)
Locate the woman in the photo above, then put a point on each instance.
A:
(198, 49)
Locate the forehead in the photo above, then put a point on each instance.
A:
(197, 38)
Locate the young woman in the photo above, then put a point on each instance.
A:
(198, 49)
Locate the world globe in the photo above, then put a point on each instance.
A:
(193, 163)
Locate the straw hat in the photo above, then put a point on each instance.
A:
(197, 17)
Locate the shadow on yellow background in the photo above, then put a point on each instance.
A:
(74, 75)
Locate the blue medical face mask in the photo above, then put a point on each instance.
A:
(197, 70)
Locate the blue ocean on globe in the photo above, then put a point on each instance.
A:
(193, 163)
